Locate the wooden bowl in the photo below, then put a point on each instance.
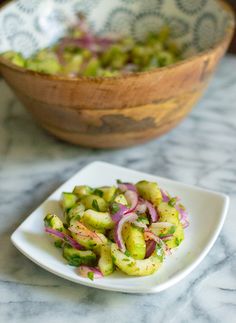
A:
(232, 47)
(118, 111)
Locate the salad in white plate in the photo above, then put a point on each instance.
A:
(130, 227)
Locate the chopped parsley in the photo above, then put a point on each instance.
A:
(113, 258)
(172, 229)
(127, 253)
(95, 205)
(160, 252)
(165, 233)
(161, 235)
(92, 244)
(58, 243)
(143, 219)
(98, 192)
(178, 241)
(114, 208)
(172, 201)
(91, 275)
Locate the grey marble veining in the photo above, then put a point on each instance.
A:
(202, 151)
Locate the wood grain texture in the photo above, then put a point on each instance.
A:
(232, 47)
(115, 112)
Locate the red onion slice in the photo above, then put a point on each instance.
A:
(107, 41)
(183, 216)
(165, 196)
(148, 235)
(131, 217)
(132, 199)
(65, 237)
(141, 207)
(185, 224)
(85, 270)
(122, 187)
(87, 41)
(150, 248)
(82, 23)
(65, 42)
(118, 215)
(167, 237)
(127, 187)
(152, 211)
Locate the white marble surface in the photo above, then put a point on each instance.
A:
(202, 151)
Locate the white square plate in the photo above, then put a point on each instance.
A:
(207, 214)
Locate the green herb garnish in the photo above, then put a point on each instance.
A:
(91, 275)
(113, 258)
(172, 229)
(98, 192)
(114, 208)
(160, 252)
(127, 253)
(143, 219)
(172, 201)
(95, 205)
(163, 235)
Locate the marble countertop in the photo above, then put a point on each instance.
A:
(201, 151)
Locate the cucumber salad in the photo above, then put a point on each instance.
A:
(127, 227)
(81, 52)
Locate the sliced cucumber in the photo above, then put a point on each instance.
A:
(105, 262)
(75, 213)
(98, 220)
(168, 213)
(111, 235)
(68, 200)
(82, 190)
(15, 58)
(108, 193)
(149, 191)
(121, 199)
(90, 227)
(87, 242)
(164, 230)
(54, 222)
(134, 267)
(94, 202)
(88, 238)
(134, 240)
(78, 257)
(177, 238)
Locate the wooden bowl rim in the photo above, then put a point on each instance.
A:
(225, 39)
